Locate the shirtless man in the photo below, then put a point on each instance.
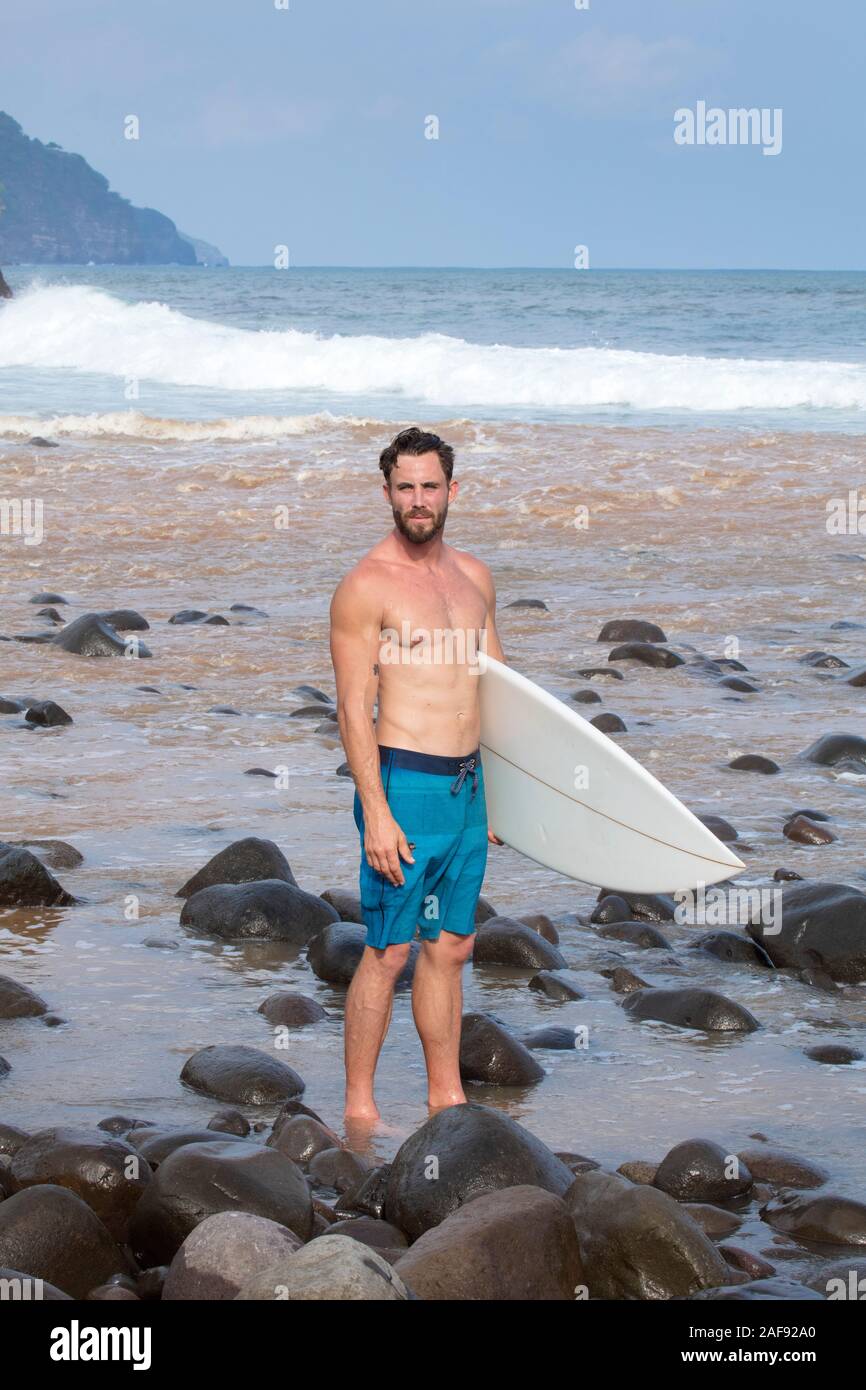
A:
(407, 625)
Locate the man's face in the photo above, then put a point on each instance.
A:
(419, 494)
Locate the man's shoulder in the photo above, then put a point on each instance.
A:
(472, 566)
(364, 579)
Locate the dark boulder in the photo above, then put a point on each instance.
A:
(244, 861)
(469, 1149)
(240, 1074)
(268, 909)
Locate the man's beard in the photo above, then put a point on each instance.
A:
(422, 530)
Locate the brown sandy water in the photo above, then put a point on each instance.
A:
(714, 535)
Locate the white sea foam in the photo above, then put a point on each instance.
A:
(86, 330)
(133, 424)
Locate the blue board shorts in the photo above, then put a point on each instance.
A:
(439, 804)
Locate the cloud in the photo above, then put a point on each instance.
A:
(603, 74)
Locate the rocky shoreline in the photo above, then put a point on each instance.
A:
(473, 1205)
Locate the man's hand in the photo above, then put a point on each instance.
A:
(494, 839)
(385, 845)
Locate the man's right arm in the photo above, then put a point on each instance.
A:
(356, 623)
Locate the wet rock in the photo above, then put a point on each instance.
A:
(512, 1245)
(857, 678)
(647, 655)
(200, 1180)
(642, 907)
(301, 1137)
(782, 1167)
(823, 926)
(47, 715)
(832, 749)
(19, 1001)
(54, 854)
(691, 1008)
(624, 981)
(378, 1235)
(157, 1142)
(585, 697)
(230, 1122)
(347, 905)
(638, 1170)
(338, 1168)
(591, 673)
(751, 1264)
(553, 1036)
(834, 1054)
(49, 1233)
(721, 828)
(804, 831)
(828, 1219)
(642, 934)
(822, 661)
(541, 923)
(730, 946)
(630, 630)
(754, 762)
(368, 1198)
(555, 986)
(609, 724)
(25, 881)
(125, 620)
(48, 598)
(506, 941)
(121, 1125)
(90, 635)
(489, 1053)
(637, 1242)
(312, 692)
(528, 603)
(187, 615)
(268, 909)
(612, 908)
(577, 1163)
(224, 1253)
(713, 1221)
(11, 1139)
(331, 1268)
(776, 1289)
(244, 861)
(240, 1074)
(699, 1170)
(742, 687)
(335, 953)
(473, 1148)
(484, 910)
(108, 1174)
(289, 1009)
(786, 876)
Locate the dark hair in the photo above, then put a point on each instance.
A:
(414, 441)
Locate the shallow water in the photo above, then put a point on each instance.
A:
(719, 536)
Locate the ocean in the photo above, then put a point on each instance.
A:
(703, 424)
(748, 349)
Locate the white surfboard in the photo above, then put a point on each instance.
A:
(564, 794)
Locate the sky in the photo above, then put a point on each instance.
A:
(306, 126)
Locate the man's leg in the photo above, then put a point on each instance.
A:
(368, 1013)
(437, 1006)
